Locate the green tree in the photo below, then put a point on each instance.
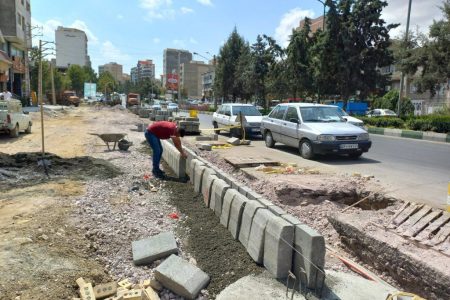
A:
(89, 74)
(225, 83)
(106, 83)
(77, 78)
(390, 101)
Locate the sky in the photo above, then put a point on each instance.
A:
(130, 30)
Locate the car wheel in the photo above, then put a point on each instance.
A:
(216, 126)
(355, 155)
(14, 132)
(306, 149)
(28, 130)
(268, 138)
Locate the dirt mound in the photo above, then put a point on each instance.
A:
(24, 169)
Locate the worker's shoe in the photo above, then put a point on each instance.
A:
(159, 174)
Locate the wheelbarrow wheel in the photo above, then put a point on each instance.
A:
(124, 144)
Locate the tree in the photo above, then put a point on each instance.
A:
(299, 61)
(106, 82)
(225, 83)
(77, 78)
(390, 100)
(89, 74)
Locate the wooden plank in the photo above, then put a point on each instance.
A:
(243, 162)
(424, 222)
(425, 234)
(441, 235)
(406, 213)
(413, 219)
(404, 206)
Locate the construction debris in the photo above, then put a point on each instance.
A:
(234, 141)
(286, 169)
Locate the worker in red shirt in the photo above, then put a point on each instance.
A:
(163, 130)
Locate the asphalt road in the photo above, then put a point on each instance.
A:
(414, 170)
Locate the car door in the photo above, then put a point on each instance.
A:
(226, 115)
(219, 116)
(290, 123)
(276, 120)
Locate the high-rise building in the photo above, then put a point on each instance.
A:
(316, 24)
(145, 69)
(191, 78)
(172, 60)
(71, 48)
(115, 69)
(15, 20)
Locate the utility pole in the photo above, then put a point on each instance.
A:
(179, 78)
(402, 79)
(40, 98)
(53, 85)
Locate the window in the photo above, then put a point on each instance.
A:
(227, 110)
(28, 6)
(19, 19)
(279, 113)
(291, 114)
(23, 23)
(246, 110)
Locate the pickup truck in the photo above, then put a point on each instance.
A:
(13, 119)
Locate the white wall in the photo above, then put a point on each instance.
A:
(71, 47)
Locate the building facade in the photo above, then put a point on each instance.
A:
(316, 24)
(71, 48)
(115, 69)
(145, 69)
(15, 40)
(191, 78)
(207, 79)
(172, 60)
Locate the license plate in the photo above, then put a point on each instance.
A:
(349, 146)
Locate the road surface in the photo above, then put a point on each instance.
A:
(414, 170)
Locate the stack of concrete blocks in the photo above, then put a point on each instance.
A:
(271, 236)
(173, 158)
(144, 112)
(191, 125)
(162, 115)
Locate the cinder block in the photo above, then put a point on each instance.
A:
(181, 277)
(150, 249)
(247, 218)
(219, 189)
(255, 246)
(278, 245)
(234, 141)
(311, 247)
(203, 138)
(124, 284)
(207, 180)
(226, 206)
(150, 294)
(134, 294)
(105, 290)
(81, 282)
(198, 177)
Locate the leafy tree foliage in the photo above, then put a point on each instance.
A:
(77, 78)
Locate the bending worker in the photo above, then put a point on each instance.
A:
(163, 130)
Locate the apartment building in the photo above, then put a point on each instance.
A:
(15, 40)
(71, 48)
(172, 59)
(316, 24)
(191, 78)
(115, 69)
(145, 69)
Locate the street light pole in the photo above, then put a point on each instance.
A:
(323, 18)
(402, 79)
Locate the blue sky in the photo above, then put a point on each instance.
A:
(129, 30)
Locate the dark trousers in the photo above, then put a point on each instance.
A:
(157, 148)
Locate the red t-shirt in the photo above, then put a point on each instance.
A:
(163, 129)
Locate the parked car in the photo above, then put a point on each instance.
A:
(314, 129)
(13, 119)
(350, 119)
(227, 115)
(380, 112)
(172, 106)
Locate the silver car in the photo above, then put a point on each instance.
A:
(314, 129)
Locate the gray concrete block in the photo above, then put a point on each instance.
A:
(291, 219)
(255, 246)
(199, 169)
(311, 246)
(235, 184)
(207, 180)
(245, 190)
(150, 249)
(252, 195)
(189, 166)
(278, 247)
(203, 138)
(234, 141)
(226, 206)
(181, 277)
(236, 215)
(265, 202)
(204, 146)
(276, 210)
(219, 189)
(247, 218)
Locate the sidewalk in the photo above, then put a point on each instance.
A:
(411, 134)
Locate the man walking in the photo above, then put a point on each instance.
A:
(163, 130)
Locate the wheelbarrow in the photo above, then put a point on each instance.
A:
(112, 138)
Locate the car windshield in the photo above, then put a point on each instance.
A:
(246, 110)
(322, 114)
(389, 112)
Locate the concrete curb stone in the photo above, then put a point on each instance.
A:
(199, 170)
(207, 181)
(219, 189)
(247, 218)
(226, 206)
(147, 250)
(236, 215)
(255, 245)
